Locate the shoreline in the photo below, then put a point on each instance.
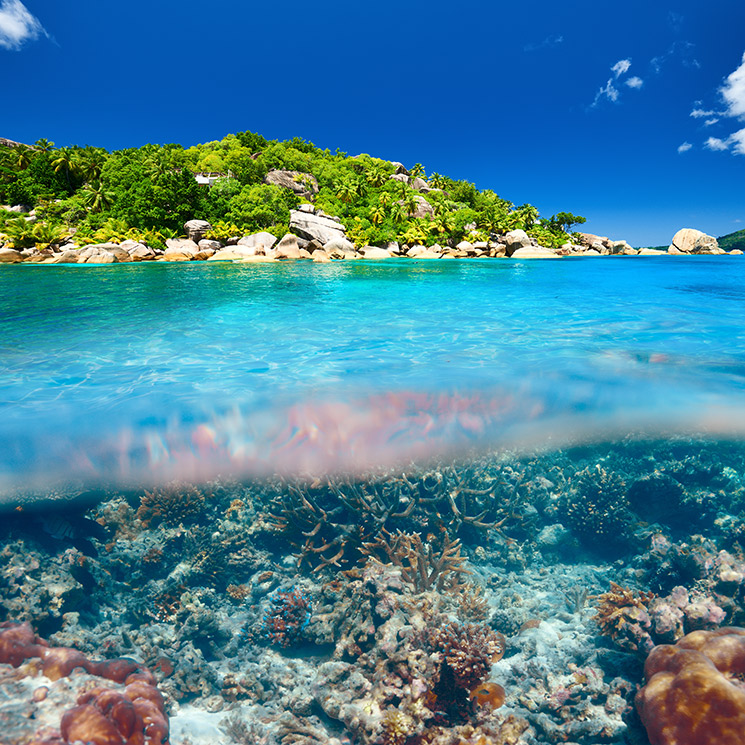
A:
(263, 247)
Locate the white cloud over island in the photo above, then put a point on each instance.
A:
(732, 93)
(17, 25)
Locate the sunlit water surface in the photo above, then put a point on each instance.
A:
(135, 373)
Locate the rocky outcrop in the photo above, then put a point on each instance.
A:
(262, 240)
(515, 240)
(318, 225)
(302, 184)
(373, 252)
(180, 249)
(196, 229)
(10, 256)
(691, 241)
(534, 252)
(287, 248)
(339, 248)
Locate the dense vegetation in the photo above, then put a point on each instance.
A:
(147, 193)
(732, 240)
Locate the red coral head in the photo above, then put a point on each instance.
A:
(18, 642)
(87, 724)
(59, 662)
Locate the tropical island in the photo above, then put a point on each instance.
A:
(246, 198)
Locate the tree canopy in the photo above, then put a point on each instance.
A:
(152, 190)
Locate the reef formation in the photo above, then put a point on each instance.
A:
(555, 597)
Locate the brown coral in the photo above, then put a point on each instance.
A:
(103, 716)
(694, 693)
(620, 607)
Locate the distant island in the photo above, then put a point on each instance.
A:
(245, 197)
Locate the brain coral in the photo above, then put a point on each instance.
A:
(695, 693)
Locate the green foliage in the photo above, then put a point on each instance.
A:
(222, 231)
(564, 221)
(257, 207)
(733, 241)
(151, 191)
(19, 233)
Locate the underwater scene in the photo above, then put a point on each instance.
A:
(458, 503)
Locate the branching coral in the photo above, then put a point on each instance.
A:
(620, 607)
(328, 520)
(171, 504)
(422, 565)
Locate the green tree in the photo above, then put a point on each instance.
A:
(564, 221)
(97, 197)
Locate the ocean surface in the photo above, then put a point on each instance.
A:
(139, 373)
(368, 503)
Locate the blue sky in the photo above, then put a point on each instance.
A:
(631, 114)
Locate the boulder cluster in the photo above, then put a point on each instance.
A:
(319, 237)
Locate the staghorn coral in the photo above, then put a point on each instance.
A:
(694, 691)
(328, 520)
(422, 566)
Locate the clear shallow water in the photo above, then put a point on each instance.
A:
(137, 373)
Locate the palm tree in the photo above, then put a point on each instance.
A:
(44, 145)
(377, 173)
(348, 189)
(66, 162)
(398, 214)
(438, 181)
(410, 203)
(96, 197)
(377, 215)
(442, 223)
(526, 215)
(22, 156)
(417, 171)
(90, 163)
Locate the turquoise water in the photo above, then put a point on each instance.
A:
(140, 372)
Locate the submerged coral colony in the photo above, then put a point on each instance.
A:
(584, 596)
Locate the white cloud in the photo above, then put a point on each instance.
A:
(685, 147)
(17, 25)
(733, 91)
(609, 90)
(621, 67)
(737, 139)
(714, 143)
(701, 113)
(549, 41)
(711, 121)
